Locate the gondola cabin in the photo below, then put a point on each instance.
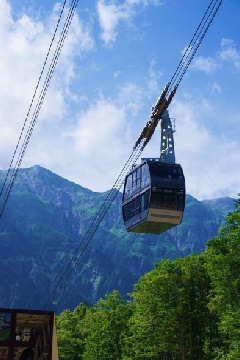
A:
(153, 197)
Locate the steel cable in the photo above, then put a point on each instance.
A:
(111, 195)
(178, 75)
(14, 171)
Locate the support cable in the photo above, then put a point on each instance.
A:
(33, 98)
(157, 112)
(95, 223)
(138, 148)
(40, 101)
(168, 93)
(195, 43)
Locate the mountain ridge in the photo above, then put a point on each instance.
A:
(46, 219)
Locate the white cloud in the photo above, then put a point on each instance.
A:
(102, 139)
(230, 53)
(78, 41)
(5, 15)
(209, 161)
(207, 64)
(101, 121)
(117, 74)
(109, 17)
(91, 147)
(153, 76)
(131, 95)
(216, 88)
(92, 151)
(112, 14)
(24, 43)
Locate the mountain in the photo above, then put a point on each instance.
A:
(45, 223)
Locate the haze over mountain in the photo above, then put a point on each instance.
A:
(46, 219)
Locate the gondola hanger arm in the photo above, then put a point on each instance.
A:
(157, 111)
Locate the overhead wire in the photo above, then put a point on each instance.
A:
(94, 225)
(194, 43)
(12, 171)
(196, 40)
(29, 109)
(168, 93)
(137, 150)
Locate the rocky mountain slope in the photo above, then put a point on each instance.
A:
(44, 223)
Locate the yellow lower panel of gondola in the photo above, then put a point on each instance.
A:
(158, 221)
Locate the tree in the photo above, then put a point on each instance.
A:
(223, 265)
(171, 319)
(72, 332)
(184, 309)
(107, 322)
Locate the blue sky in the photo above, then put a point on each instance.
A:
(116, 60)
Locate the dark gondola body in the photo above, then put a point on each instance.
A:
(153, 197)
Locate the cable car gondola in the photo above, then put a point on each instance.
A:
(153, 197)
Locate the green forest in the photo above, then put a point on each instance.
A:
(188, 308)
